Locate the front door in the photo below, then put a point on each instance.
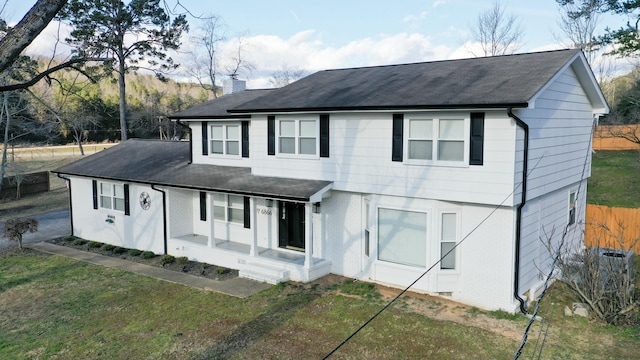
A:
(291, 229)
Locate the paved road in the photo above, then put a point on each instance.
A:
(50, 225)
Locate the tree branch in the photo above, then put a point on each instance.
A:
(42, 75)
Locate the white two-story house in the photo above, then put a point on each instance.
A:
(449, 175)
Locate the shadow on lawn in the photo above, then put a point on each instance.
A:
(273, 316)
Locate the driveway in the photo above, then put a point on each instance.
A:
(50, 225)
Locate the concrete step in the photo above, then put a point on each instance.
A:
(264, 273)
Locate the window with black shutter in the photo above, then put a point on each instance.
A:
(476, 140)
(245, 139)
(205, 138)
(324, 135)
(396, 148)
(271, 135)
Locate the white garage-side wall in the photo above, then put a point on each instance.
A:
(142, 229)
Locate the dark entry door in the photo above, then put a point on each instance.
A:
(291, 227)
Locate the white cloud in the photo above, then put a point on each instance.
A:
(50, 42)
(439, 3)
(416, 18)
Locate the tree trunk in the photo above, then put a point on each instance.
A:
(5, 111)
(18, 38)
(123, 102)
(78, 136)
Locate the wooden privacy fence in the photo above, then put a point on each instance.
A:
(604, 139)
(28, 183)
(612, 227)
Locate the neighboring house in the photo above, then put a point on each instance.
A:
(373, 173)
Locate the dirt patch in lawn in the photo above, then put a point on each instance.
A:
(176, 264)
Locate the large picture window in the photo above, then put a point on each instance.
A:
(436, 139)
(298, 137)
(112, 196)
(225, 139)
(402, 237)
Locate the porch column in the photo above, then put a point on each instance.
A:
(254, 231)
(212, 239)
(308, 235)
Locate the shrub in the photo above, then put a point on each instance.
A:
(107, 247)
(119, 250)
(134, 252)
(167, 259)
(94, 244)
(69, 238)
(182, 260)
(147, 255)
(79, 242)
(221, 270)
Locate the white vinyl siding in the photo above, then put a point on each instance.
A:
(402, 237)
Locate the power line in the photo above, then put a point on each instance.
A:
(434, 264)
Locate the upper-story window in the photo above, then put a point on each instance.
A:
(225, 139)
(447, 140)
(298, 137)
(436, 139)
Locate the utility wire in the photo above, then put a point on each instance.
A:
(432, 266)
(533, 316)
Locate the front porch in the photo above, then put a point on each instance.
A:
(264, 264)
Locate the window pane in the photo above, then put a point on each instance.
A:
(217, 146)
(308, 146)
(402, 237)
(449, 227)
(220, 199)
(236, 201)
(308, 128)
(421, 129)
(105, 202)
(119, 204)
(287, 128)
(236, 215)
(218, 212)
(421, 149)
(288, 145)
(118, 191)
(105, 189)
(232, 132)
(233, 148)
(449, 261)
(216, 132)
(452, 129)
(451, 150)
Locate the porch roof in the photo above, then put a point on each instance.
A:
(165, 163)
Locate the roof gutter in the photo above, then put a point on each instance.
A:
(164, 216)
(525, 167)
(190, 140)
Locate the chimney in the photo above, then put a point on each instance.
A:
(230, 86)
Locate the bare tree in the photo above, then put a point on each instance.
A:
(497, 32)
(578, 24)
(286, 75)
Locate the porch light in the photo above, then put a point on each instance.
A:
(316, 208)
(269, 203)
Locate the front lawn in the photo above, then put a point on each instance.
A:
(615, 179)
(55, 307)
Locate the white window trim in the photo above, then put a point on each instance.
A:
(112, 196)
(224, 139)
(435, 140)
(297, 137)
(456, 269)
(227, 209)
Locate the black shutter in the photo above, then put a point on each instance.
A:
(245, 139)
(95, 193)
(205, 138)
(127, 210)
(476, 141)
(247, 213)
(203, 206)
(271, 135)
(324, 135)
(396, 147)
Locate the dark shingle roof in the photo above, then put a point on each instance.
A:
(165, 163)
(510, 80)
(217, 108)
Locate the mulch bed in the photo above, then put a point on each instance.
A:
(180, 264)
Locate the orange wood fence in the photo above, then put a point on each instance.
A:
(604, 139)
(612, 227)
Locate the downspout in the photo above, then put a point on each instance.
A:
(190, 141)
(68, 181)
(525, 168)
(164, 216)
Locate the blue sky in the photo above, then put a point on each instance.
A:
(316, 35)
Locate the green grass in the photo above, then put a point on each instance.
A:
(615, 179)
(55, 307)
